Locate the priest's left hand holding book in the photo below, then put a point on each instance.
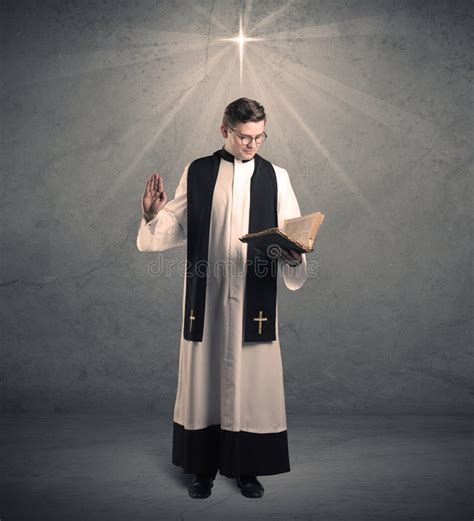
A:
(155, 198)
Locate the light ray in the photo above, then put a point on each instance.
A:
(212, 18)
(272, 17)
(246, 14)
(322, 149)
(363, 26)
(155, 38)
(65, 66)
(277, 132)
(381, 111)
(199, 138)
(241, 39)
(166, 97)
(167, 119)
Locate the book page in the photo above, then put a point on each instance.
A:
(302, 228)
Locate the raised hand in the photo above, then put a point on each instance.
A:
(154, 197)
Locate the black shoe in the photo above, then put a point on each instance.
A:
(201, 486)
(250, 486)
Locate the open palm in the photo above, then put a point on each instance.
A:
(154, 197)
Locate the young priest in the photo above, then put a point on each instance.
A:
(229, 414)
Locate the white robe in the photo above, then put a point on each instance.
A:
(222, 380)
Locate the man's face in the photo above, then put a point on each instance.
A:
(234, 145)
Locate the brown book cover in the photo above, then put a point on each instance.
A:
(297, 234)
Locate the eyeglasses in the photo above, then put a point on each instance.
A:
(246, 140)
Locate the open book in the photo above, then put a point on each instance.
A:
(297, 234)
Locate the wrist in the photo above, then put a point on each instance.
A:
(148, 218)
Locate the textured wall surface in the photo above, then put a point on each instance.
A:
(370, 111)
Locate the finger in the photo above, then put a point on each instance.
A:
(155, 182)
(152, 183)
(161, 188)
(292, 256)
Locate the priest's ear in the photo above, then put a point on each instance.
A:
(224, 132)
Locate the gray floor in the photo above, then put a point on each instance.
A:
(343, 468)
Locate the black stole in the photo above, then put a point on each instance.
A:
(261, 271)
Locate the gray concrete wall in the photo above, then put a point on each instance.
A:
(370, 111)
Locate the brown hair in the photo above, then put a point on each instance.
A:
(243, 110)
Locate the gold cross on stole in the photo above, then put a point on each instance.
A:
(259, 319)
(191, 318)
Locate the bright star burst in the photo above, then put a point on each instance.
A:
(241, 39)
(308, 84)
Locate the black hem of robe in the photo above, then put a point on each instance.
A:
(232, 453)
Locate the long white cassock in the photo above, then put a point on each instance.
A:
(230, 404)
